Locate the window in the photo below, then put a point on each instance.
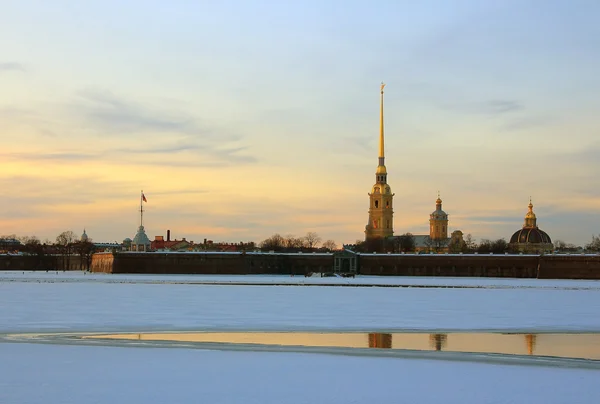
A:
(376, 204)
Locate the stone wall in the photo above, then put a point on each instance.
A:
(211, 263)
(511, 266)
(102, 262)
(41, 263)
(569, 267)
(459, 265)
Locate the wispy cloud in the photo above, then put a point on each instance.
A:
(500, 106)
(527, 122)
(12, 67)
(488, 107)
(113, 115)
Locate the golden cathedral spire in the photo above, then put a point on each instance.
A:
(381, 223)
(381, 141)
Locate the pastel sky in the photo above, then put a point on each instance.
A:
(240, 119)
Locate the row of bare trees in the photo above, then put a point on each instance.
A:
(58, 253)
(290, 243)
(406, 243)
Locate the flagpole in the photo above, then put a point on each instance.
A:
(141, 208)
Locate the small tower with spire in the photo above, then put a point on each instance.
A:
(381, 213)
(141, 242)
(530, 219)
(438, 222)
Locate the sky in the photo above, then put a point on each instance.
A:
(241, 119)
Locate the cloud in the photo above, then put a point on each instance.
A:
(53, 156)
(12, 67)
(527, 122)
(500, 106)
(117, 116)
(489, 107)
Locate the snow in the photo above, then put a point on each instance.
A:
(71, 302)
(156, 304)
(73, 374)
(76, 276)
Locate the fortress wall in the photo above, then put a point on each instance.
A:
(175, 263)
(288, 264)
(102, 262)
(40, 263)
(569, 267)
(510, 266)
(211, 263)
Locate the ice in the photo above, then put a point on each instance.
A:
(69, 302)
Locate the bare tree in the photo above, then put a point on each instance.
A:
(292, 243)
(470, 244)
(85, 249)
(594, 245)
(65, 242)
(406, 243)
(273, 243)
(329, 245)
(312, 240)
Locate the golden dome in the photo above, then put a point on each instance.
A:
(381, 170)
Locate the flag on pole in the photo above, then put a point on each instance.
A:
(144, 197)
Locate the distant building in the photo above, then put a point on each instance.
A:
(530, 238)
(10, 245)
(160, 244)
(381, 214)
(437, 240)
(140, 242)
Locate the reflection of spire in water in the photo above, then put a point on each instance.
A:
(380, 340)
(530, 339)
(438, 341)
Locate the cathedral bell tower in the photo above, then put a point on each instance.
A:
(438, 222)
(381, 213)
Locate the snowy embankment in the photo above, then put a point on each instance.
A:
(76, 276)
(77, 302)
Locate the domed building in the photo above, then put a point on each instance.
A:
(140, 242)
(84, 237)
(438, 222)
(530, 239)
(437, 240)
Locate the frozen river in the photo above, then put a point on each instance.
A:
(69, 303)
